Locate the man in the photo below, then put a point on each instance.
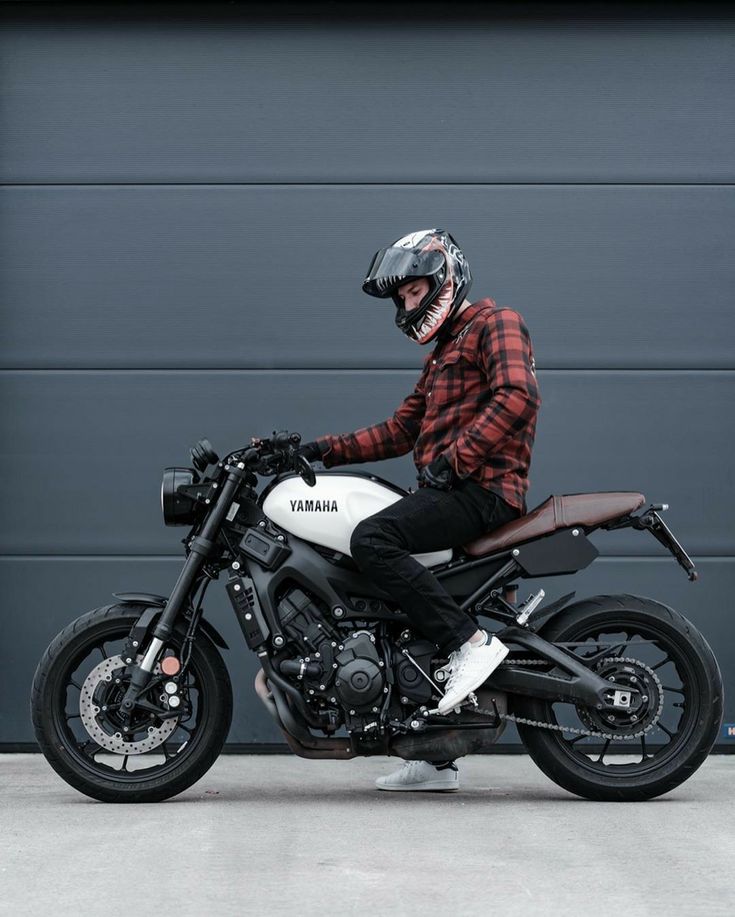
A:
(471, 421)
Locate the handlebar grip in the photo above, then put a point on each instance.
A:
(249, 456)
(281, 439)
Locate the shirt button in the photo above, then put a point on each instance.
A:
(430, 391)
(434, 362)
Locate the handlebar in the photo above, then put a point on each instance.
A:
(273, 454)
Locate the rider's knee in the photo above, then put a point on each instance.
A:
(366, 537)
(359, 539)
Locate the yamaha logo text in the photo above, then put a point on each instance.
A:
(313, 506)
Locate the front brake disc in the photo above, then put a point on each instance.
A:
(95, 720)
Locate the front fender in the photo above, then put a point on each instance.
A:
(155, 604)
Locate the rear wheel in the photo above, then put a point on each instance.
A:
(77, 690)
(638, 643)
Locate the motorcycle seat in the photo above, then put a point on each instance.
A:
(557, 512)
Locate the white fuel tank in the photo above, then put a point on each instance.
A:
(327, 513)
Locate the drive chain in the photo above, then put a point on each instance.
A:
(510, 717)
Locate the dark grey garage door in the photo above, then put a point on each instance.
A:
(191, 198)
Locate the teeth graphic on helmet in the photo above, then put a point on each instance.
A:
(433, 317)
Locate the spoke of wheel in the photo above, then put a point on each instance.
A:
(72, 682)
(659, 664)
(101, 648)
(72, 716)
(620, 647)
(90, 748)
(125, 763)
(643, 748)
(602, 753)
(668, 733)
(675, 690)
(576, 739)
(613, 649)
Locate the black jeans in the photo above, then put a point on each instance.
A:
(427, 520)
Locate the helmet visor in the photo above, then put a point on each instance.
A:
(392, 267)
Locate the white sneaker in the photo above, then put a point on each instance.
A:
(421, 775)
(470, 667)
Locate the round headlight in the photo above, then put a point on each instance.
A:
(178, 509)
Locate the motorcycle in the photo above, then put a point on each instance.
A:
(615, 697)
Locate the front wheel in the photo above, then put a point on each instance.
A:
(77, 689)
(637, 643)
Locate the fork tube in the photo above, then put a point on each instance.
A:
(200, 548)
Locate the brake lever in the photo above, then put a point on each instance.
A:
(303, 466)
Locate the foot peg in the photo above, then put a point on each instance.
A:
(469, 701)
(529, 606)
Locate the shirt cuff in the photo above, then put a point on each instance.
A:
(458, 467)
(329, 455)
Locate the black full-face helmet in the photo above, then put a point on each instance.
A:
(429, 253)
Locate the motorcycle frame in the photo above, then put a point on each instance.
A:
(561, 552)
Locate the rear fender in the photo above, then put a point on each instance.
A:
(539, 622)
(544, 615)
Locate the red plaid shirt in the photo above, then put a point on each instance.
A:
(476, 401)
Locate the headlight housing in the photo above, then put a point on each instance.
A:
(178, 509)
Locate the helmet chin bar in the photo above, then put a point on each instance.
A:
(428, 327)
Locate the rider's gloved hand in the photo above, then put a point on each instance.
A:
(438, 474)
(312, 451)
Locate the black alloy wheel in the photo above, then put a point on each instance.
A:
(668, 731)
(75, 705)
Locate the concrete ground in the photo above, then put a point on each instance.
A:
(278, 834)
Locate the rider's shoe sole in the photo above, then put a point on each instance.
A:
(423, 787)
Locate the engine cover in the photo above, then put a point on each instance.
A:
(360, 678)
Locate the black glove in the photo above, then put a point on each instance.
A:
(312, 451)
(438, 474)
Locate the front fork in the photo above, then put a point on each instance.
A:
(201, 547)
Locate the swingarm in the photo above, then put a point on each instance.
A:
(583, 686)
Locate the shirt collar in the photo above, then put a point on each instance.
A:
(469, 313)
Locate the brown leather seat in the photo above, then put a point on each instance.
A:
(558, 512)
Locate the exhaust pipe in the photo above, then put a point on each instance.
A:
(445, 743)
(299, 739)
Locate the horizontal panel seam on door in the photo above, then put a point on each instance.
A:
(369, 184)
